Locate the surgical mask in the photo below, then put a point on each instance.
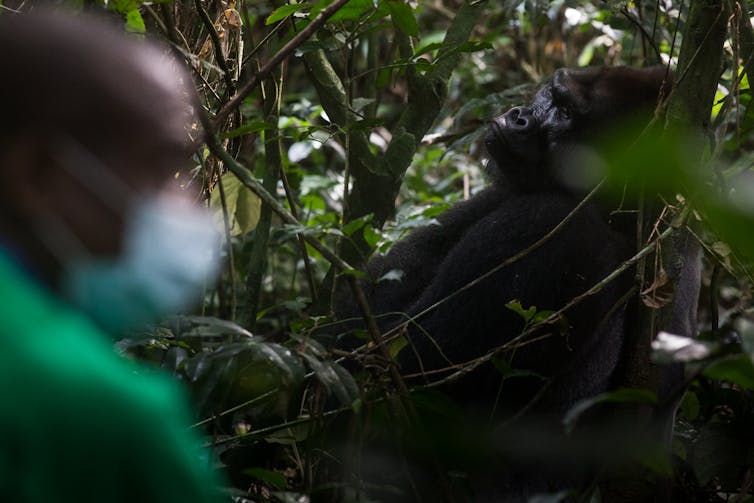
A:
(170, 248)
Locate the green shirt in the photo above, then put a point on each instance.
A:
(79, 423)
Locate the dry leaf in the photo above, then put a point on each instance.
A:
(233, 18)
(660, 293)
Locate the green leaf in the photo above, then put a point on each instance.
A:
(718, 452)
(587, 53)
(737, 369)
(403, 17)
(359, 103)
(470, 46)
(134, 22)
(272, 478)
(352, 11)
(435, 210)
(384, 77)
(733, 222)
(286, 10)
(122, 6)
(242, 205)
(663, 162)
(623, 395)
(424, 49)
(657, 161)
(506, 371)
(397, 345)
(335, 378)
(371, 236)
(356, 273)
(265, 376)
(526, 314)
(689, 408)
(542, 316)
(657, 459)
(248, 208)
(355, 225)
(207, 326)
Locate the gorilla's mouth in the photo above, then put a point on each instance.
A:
(498, 127)
(495, 140)
(502, 147)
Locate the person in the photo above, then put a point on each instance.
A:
(94, 240)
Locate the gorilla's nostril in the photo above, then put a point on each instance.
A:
(518, 118)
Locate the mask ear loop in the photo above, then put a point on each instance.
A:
(92, 173)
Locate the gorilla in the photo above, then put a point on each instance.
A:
(451, 302)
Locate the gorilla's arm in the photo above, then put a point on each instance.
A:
(419, 255)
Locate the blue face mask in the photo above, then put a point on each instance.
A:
(170, 249)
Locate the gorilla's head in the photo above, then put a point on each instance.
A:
(575, 109)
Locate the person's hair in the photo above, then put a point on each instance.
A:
(80, 75)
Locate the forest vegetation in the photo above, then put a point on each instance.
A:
(334, 128)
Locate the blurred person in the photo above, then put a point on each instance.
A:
(94, 240)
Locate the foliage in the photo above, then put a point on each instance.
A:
(377, 115)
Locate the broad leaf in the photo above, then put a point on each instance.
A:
(242, 205)
(286, 10)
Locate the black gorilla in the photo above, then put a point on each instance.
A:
(533, 152)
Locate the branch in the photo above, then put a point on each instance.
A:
(246, 178)
(332, 95)
(278, 58)
(699, 65)
(219, 56)
(375, 187)
(746, 37)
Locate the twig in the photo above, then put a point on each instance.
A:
(219, 56)
(282, 54)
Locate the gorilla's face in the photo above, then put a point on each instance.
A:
(574, 108)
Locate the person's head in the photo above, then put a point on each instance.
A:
(93, 122)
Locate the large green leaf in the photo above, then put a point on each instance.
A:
(623, 395)
(737, 369)
(335, 378)
(243, 206)
(403, 17)
(267, 376)
(718, 452)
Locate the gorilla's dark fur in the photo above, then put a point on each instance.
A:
(531, 151)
